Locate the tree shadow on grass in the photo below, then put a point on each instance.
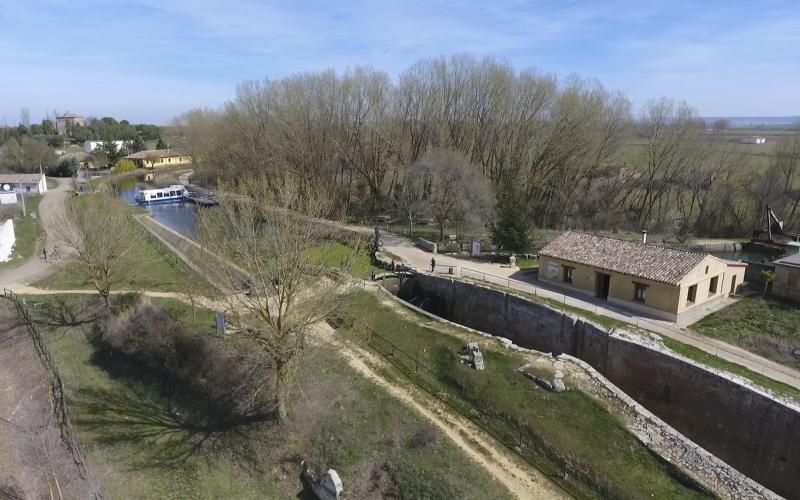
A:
(165, 425)
(59, 312)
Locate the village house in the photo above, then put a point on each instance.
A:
(655, 280)
(786, 282)
(90, 146)
(11, 184)
(67, 122)
(152, 158)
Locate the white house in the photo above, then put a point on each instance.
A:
(90, 146)
(23, 183)
(754, 140)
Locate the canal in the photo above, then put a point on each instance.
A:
(181, 217)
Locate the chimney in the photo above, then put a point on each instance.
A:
(644, 235)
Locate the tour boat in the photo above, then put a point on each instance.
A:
(171, 194)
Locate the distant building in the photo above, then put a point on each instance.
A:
(152, 158)
(754, 140)
(90, 146)
(67, 121)
(786, 282)
(656, 280)
(11, 184)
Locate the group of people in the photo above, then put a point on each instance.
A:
(393, 265)
(55, 254)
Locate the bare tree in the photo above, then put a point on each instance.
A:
(294, 267)
(456, 191)
(101, 237)
(410, 198)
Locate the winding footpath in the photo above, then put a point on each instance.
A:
(36, 268)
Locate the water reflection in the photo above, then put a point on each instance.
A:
(181, 217)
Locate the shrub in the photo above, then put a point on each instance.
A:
(64, 168)
(227, 375)
(123, 166)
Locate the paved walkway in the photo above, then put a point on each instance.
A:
(36, 267)
(512, 278)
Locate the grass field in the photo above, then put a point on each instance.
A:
(568, 425)
(766, 327)
(157, 269)
(28, 231)
(147, 438)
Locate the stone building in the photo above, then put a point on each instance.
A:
(786, 282)
(67, 122)
(653, 279)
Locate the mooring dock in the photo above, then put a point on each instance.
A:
(201, 196)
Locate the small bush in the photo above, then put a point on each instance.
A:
(426, 436)
(226, 375)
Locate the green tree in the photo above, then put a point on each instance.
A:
(111, 151)
(161, 144)
(64, 168)
(47, 127)
(80, 134)
(138, 144)
(26, 155)
(123, 166)
(511, 228)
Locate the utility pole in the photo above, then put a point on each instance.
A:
(22, 195)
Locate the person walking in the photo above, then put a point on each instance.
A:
(44, 253)
(433, 264)
(393, 265)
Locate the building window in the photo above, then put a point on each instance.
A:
(691, 295)
(568, 271)
(639, 292)
(28, 189)
(706, 269)
(713, 285)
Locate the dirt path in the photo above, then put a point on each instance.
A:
(522, 480)
(34, 460)
(37, 268)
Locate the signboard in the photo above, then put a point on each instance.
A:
(475, 248)
(552, 270)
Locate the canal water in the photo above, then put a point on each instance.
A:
(181, 217)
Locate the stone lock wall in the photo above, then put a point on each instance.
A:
(753, 432)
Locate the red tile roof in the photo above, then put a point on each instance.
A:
(641, 260)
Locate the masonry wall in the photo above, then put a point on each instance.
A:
(752, 432)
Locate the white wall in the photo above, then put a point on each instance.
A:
(7, 240)
(90, 146)
(8, 198)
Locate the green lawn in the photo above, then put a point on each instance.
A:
(148, 438)
(766, 327)
(28, 232)
(334, 254)
(158, 269)
(606, 460)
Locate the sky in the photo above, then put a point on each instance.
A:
(150, 60)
